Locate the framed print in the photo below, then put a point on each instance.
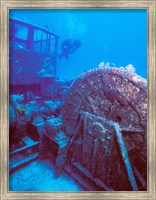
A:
(78, 99)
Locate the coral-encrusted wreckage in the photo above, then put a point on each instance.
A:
(105, 116)
(97, 133)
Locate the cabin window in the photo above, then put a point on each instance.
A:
(40, 41)
(52, 45)
(18, 36)
(21, 32)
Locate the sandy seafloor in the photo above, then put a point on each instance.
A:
(39, 176)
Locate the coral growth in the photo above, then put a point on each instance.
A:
(17, 98)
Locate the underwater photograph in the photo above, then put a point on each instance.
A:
(78, 100)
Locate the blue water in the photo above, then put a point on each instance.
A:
(110, 35)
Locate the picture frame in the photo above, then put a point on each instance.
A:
(150, 5)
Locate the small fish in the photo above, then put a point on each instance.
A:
(37, 97)
(19, 69)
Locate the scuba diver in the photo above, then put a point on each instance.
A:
(68, 47)
(76, 45)
(47, 69)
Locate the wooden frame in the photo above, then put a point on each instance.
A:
(150, 5)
